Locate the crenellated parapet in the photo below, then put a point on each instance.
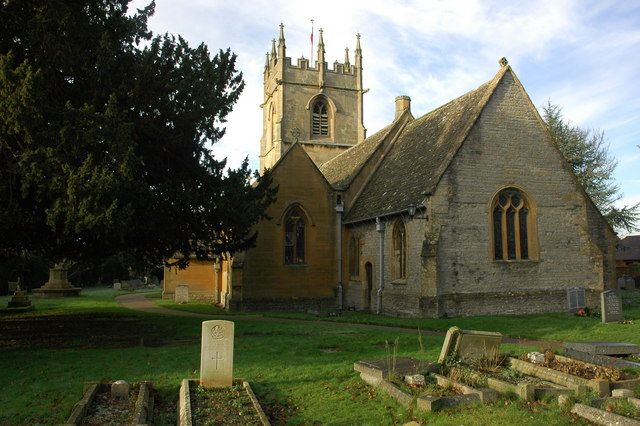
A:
(310, 102)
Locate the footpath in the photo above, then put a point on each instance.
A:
(139, 302)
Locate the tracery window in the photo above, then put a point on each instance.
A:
(512, 223)
(320, 118)
(294, 237)
(354, 257)
(399, 250)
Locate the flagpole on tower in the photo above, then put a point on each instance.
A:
(311, 56)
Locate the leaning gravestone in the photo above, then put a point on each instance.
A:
(611, 306)
(575, 299)
(182, 294)
(470, 344)
(216, 354)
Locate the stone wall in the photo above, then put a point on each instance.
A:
(265, 276)
(199, 276)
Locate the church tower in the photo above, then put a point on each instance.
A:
(319, 107)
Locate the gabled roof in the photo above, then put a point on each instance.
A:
(629, 248)
(427, 144)
(341, 170)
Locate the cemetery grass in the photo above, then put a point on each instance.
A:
(551, 326)
(301, 373)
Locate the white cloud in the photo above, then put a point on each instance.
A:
(581, 55)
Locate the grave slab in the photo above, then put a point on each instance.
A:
(602, 417)
(403, 367)
(604, 348)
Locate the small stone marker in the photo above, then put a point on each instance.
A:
(611, 306)
(182, 294)
(117, 286)
(536, 357)
(216, 354)
(575, 299)
(470, 344)
(415, 380)
(630, 283)
(120, 389)
(622, 393)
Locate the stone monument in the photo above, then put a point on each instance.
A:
(611, 306)
(470, 344)
(182, 294)
(20, 301)
(216, 354)
(575, 299)
(58, 285)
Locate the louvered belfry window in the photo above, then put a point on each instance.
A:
(320, 119)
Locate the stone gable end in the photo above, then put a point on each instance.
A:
(509, 147)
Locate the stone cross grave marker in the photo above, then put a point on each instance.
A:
(575, 299)
(470, 344)
(611, 306)
(182, 294)
(216, 354)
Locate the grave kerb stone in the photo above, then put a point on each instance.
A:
(216, 354)
(604, 348)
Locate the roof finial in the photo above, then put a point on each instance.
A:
(358, 49)
(281, 45)
(346, 58)
(503, 62)
(273, 50)
(320, 47)
(266, 64)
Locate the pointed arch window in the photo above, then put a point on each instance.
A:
(399, 250)
(320, 119)
(294, 237)
(513, 224)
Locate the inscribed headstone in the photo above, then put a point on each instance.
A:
(611, 306)
(575, 299)
(621, 282)
(630, 283)
(182, 294)
(470, 344)
(216, 354)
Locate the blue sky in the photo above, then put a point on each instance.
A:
(582, 55)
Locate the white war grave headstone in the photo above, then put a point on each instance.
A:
(216, 354)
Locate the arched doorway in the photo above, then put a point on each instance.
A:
(368, 269)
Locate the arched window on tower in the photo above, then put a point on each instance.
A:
(399, 250)
(320, 118)
(513, 225)
(294, 237)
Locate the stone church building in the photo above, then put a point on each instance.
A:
(469, 209)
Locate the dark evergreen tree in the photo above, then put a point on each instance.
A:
(105, 134)
(588, 154)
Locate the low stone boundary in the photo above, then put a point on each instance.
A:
(578, 384)
(143, 411)
(602, 417)
(184, 402)
(484, 394)
(603, 360)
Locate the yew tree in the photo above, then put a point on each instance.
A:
(105, 138)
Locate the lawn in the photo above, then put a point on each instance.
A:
(302, 372)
